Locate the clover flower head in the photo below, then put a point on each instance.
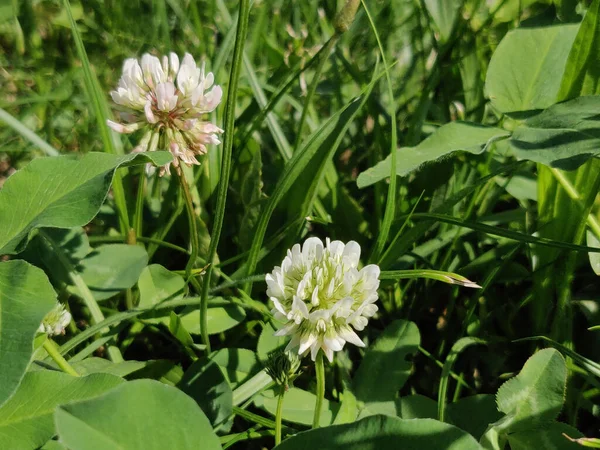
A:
(168, 98)
(322, 296)
(55, 321)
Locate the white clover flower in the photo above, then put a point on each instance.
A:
(322, 296)
(169, 99)
(55, 321)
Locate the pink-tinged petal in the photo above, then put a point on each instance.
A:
(121, 128)
(149, 114)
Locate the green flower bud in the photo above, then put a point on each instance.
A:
(345, 17)
(282, 367)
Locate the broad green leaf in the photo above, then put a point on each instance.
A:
(416, 407)
(526, 69)
(536, 395)
(90, 365)
(112, 268)
(581, 72)
(298, 406)
(268, 342)
(237, 364)
(53, 445)
(409, 407)
(450, 138)
(222, 315)
(547, 437)
(386, 364)
(165, 371)
(100, 365)
(26, 296)
(563, 136)
(138, 415)
(157, 284)
(474, 414)
(59, 192)
(26, 419)
(592, 367)
(383, 433)
(444, 14)
(205, 383)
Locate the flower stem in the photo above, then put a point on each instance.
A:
(195, 246)
(193, 226)
(320, 371)
(139, 203)
(52, 349)
(278, 416)
(219, 216)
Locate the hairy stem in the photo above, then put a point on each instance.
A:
(278, 416)
(234, 76)
(320, 372)
(193, 226)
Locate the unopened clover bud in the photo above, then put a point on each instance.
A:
(282, 367)
(345, 17)
(55, 321)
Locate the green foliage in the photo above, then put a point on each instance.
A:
(387, 433)
(60, 192)
(563, 136)
(525, 71)
(26, 419)
(531, 401)
(141, 414)
(26, 296)
(298, 406)
(110, 269)
(446, 140)
(386, 366)
(205, 383)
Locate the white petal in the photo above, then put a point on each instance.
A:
(278, 305)
(299, 306)
(306, 341)
(349, 335)
(329, 353)
(333, 344)
(352, 253)
(289, 329)
(149, 114)
(336, 248)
